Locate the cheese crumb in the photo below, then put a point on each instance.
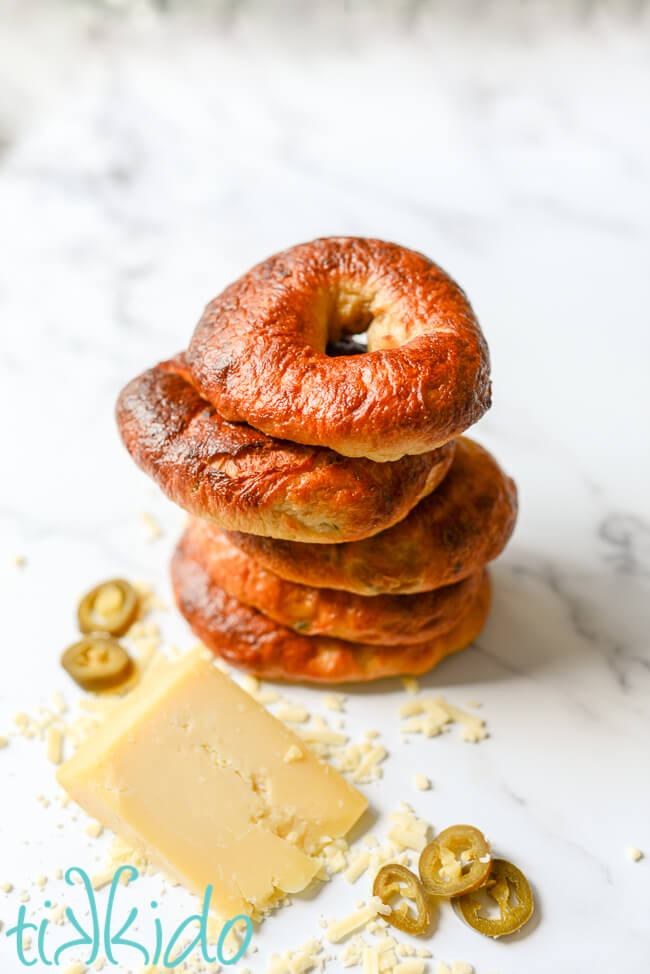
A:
(54, 745)
(460, 967)
(633, 853)
(94, 830)
(408, 831)
(58, 701)
(151, 526)
(57, 914)
(409, 967)
(387, 962)
(3, 742)
(340, 929)
(6, 887)
(277, 965)
(293, 754)
(370, 960)
(102, 879)
(410, 684)
(334, 701)
(292, 714)
(421, 782)
(368, 764)
(357, 867)
(431, 716)
(250, 684)
(321, 735)
(75, 969)
(305, 958)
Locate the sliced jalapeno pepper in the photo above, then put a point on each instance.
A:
(396, 880)
(110, 607)
(98, 663)
(510, 890)
(456, 862)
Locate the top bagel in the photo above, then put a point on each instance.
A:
(259, 353)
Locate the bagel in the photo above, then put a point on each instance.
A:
(385, 620)
(259, 355)
(452, 533)
(249, 639)
(246, 481)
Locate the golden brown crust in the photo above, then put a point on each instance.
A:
(248, 639)
(462, 525)
(258, 352)
(384, 620)
(246, 481)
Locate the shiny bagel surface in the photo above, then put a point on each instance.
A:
(382, 619)
(465, 523)
(247, 481)
(249, 639)
(259, 351)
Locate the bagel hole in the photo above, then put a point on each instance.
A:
(345, 346)
(351, 309)
(366, 313)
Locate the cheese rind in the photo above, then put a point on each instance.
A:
(193, 769)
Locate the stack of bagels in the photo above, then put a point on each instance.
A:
(340, 524)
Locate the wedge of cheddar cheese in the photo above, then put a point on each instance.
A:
(215, 789)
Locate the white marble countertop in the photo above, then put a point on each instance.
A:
(146, 160)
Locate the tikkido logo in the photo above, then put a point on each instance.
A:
(166, 951)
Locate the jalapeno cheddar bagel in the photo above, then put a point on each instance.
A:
(451, 534)
(341, 524)
(258, 354)
(383, 619)
(247, 481)
(248, 639)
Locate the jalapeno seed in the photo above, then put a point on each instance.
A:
(109, 607)
(456, 862)
(98, 663)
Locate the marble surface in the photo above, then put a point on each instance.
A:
(146, 160)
